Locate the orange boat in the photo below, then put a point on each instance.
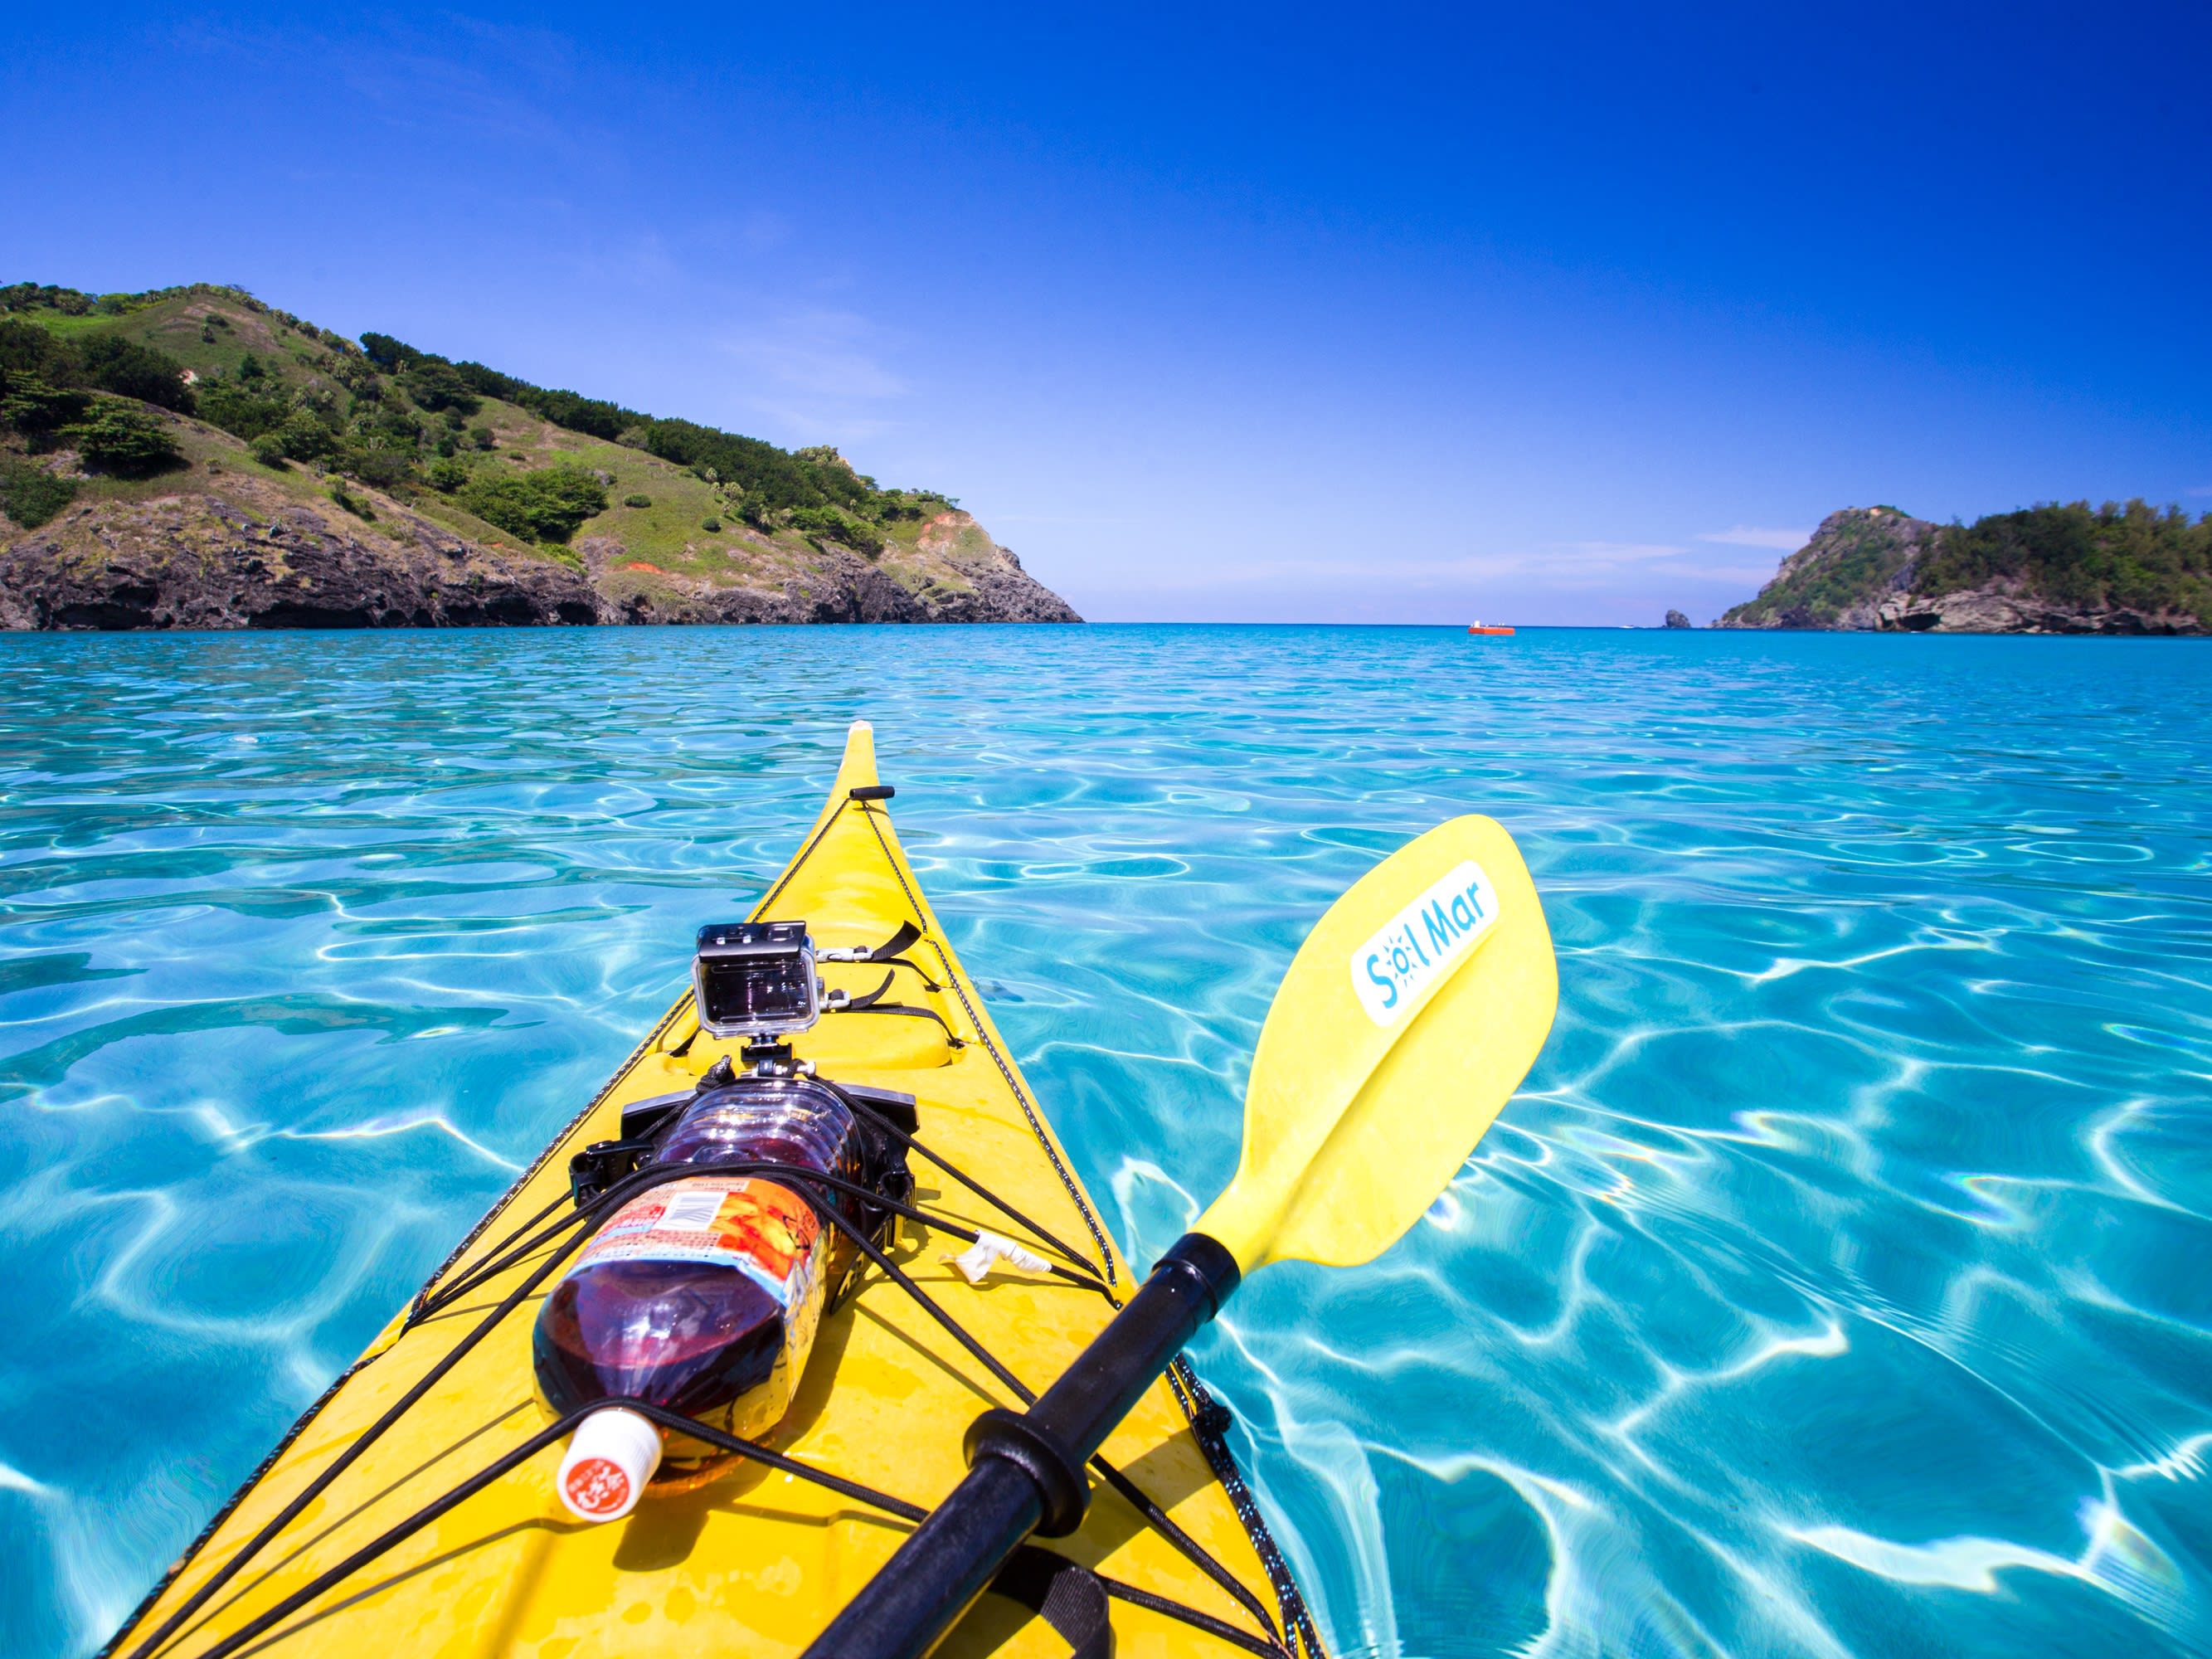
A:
(1480, 627)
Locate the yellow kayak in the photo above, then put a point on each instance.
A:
(413, 1511)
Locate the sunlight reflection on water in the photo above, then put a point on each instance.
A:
(1835, 1287)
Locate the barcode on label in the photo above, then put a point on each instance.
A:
(690, 1213)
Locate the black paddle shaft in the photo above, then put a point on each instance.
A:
(1025, 1470)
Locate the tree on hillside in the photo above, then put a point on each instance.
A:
(115, 364)
(120, 438)
(39, 412)
(386, 353)
(2132, 554)
(548, 504)
(105, 362)
(245, 410)
(24, 347)
(434, 385)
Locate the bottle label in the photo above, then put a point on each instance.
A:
(763, 1229)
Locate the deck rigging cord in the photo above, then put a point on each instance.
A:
(1038, 1577)
(581, 1224)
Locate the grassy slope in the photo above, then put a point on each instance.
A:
(175, 325)
(669, 536)
(1862, 556)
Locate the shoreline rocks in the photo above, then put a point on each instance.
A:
(241, 554)
(1879, 570)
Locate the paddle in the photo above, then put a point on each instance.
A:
(1410, 1014)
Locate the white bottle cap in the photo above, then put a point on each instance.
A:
(611, 1455)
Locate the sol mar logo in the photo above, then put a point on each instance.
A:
(1415, 948)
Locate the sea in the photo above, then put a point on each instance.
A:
(1839, 1282)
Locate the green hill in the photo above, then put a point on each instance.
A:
(113, 404)
(2117, 569)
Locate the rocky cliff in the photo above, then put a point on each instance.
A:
(193, 459)
(233, 551)
(2072, 569)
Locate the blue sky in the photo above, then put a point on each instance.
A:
(1553, 315)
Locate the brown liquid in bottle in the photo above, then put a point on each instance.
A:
(702, 1295)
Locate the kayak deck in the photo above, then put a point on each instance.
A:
(755, 1560)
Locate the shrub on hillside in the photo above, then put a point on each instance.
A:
(104, 364)
(387, 353)
(353, 504)
(447, 475)
(385, 468)
(386, 425)
(359, 377)
(305, 438)
(829, 524)
(120, 438)
(548, 504)
(24, 347)
(24, 296)
(132, 370)
(38, 410)
(637, 500)
(435, 386)
(268, 449)
(30, 494)
(2133, 556)
(245, 410)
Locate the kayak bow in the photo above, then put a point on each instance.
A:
(411, 1509)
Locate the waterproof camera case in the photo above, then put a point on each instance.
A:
(755, 979)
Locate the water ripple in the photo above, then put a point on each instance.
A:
(1834, 1287)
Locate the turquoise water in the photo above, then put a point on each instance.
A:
(1837, 1286)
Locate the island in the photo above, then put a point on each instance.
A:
(193, 458)
(2072, 568)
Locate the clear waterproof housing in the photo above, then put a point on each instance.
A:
(756, 978)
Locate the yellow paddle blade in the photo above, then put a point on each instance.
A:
(1408, 1019)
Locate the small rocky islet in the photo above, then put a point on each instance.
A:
(194, 458)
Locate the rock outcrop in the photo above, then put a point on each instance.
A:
(1881, 570)
(252, 557)
(193, 457)
(237, 551)
(1676, 619)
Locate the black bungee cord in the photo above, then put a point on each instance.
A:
(1208, 1417)
(593, 1213)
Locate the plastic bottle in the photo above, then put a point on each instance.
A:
(701, 1295)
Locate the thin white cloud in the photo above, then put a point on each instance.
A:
(1580, 566)
(2201, 490)
(1748, 535)
(1621, 552)
(817, 370)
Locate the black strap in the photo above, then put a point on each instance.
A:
(927, 983)
(860, 1004)
(907, 934)
(951, 1041)
(1065, 1594)
(872, 1002)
